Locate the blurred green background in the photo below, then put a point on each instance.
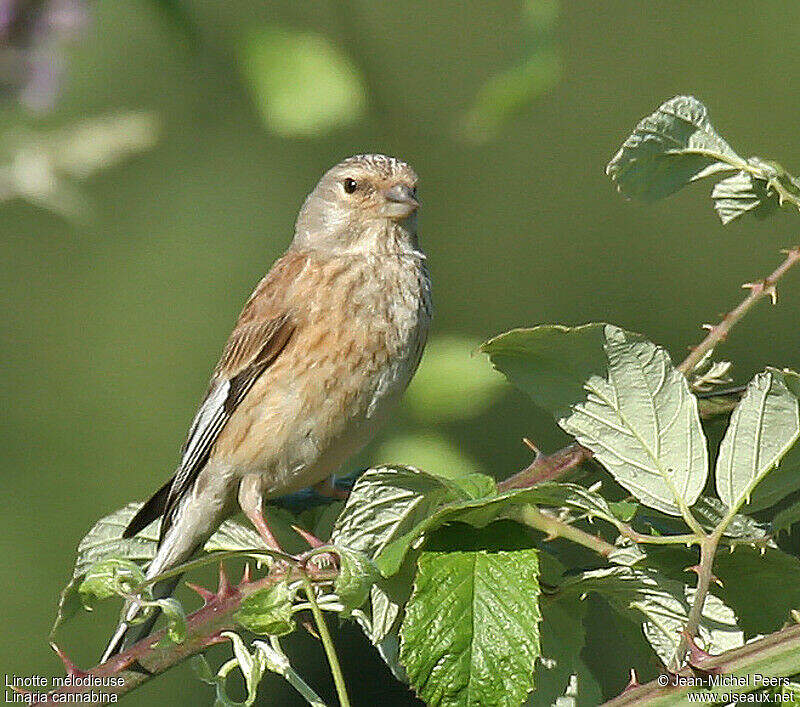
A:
(147, 187)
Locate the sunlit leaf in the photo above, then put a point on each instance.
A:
(385, 503)
(479, 512)
(642, 424)
(669, 149)
(741, 193)
(301, 82)
(661, 605)
(762, 429)
(550, 363)
(785, 478)
(710, 511)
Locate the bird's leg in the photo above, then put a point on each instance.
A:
(251, 500)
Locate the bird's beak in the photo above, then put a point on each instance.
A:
(400, 202)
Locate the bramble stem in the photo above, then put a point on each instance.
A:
(758, 290)
(554, 528)
(708, 548)
(774, 656)
(152, 656)
(327, 642)
(547, 467)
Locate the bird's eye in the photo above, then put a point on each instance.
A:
(349, 185)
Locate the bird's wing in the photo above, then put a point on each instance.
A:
(251, 349)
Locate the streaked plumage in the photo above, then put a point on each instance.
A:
(325, 345)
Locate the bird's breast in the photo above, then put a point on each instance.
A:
(361, 328)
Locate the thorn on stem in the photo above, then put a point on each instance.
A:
(530, 445)
(772, 291)
(310, 538)
(633, 682)
(246, 575)
(696, 570)
(205, 594)
(309, 626)
(699, 658)
(225, 588)
(69, 666)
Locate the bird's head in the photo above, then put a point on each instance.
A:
(366, 202)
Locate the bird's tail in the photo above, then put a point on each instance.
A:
(192, 524)
(127, 633)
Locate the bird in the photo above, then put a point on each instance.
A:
(322, 351)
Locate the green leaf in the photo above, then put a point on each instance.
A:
(710, 511)
(108, 578)
(761, 586)
(623, 510)
(69, 604)
(661, 605)
(786, 517)
(252, 667)
(741, 193)
(357, 575)
(642, 424)
(105, 540)
(563, 638)
(385, 503)
(785, 479)
(669, 149)
(234, 536)
(176, 618)
(302, 83)
(479, 512)
(764, 426)
(452, 383)
(471, 630)
(268, 611)
(550, 363)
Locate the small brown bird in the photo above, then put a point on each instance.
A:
(325, 345)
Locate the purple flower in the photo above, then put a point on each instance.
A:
(32, 36)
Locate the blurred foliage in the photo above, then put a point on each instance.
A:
(508, 93)
(42, 167)
(301, 83)
(453, 382)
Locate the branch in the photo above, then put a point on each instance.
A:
(554, 528)
(546, 467)
(148, 657)
(705, 574)
(758, 290)
(776, 655)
